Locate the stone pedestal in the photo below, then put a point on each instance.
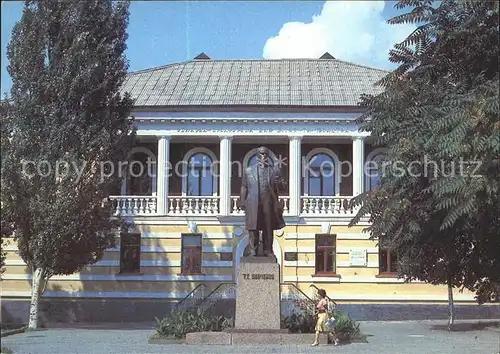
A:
(258, 303)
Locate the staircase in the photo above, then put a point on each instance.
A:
(222, 299)
(193, 298)
(197, 299)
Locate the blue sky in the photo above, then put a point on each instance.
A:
(163, 32)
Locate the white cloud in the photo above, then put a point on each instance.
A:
(349, 30)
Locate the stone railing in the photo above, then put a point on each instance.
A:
(315, 205)
(236, 210)
(130, 205)
(193, 205)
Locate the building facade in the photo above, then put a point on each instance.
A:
(199, 124)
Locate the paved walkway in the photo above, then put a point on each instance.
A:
(383, 337)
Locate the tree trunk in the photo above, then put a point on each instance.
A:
(35, 298)
(451, 315)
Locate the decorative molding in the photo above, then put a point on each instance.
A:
(162, 249)
(339, 264)
(218, 235)
(246, 127)
(117, 277)
(342, 279)
(213, 249)
(340, 236)
(100, 294)
(340, 250)
(237, 220)
(169, 235)
(239, 116)
(144, 263)
(180, 295)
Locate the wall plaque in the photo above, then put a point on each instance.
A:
(291, 256)
(358, 258)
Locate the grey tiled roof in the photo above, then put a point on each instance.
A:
(286, 82)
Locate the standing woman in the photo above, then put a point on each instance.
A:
(322, 310)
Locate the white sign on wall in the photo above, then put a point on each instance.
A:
(358, 258)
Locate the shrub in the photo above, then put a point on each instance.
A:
(181, 321)
(299, 322)
(345, 328)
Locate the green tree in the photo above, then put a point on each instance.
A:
(66, 120)
(438, 199)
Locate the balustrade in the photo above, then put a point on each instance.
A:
(193, 205)
(236, 210)
(210, 205)
(319, 205)
(131, 205)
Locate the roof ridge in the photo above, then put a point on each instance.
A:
(159, 67)
(255, 60)
(362, 66)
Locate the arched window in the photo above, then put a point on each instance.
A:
(373, 167)
(321, 175)
(140, 173)
(199, 173)
(251, 157)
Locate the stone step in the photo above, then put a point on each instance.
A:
(251, 337)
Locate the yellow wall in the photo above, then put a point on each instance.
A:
(353, 284)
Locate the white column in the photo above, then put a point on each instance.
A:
(358, 161)
(295, 174)
(225, 175)
(162, 172)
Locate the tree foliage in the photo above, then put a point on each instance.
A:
(65, 120)
(438, 200)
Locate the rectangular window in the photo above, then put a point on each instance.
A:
(325, 254)
(191, 254)
(130, 252)
(226, 256)
(291, 256)
(388, 261)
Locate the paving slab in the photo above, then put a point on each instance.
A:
(383, 337)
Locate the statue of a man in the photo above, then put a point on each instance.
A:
(259, 198)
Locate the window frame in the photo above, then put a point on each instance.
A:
(200, 172)
(332, 273)
(374, 155)
(124, 246)
(389, 273)
(186, 172)
(337, 173)
(191, 250)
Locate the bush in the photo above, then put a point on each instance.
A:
(345, 328)
(180, 322)
(299, 322)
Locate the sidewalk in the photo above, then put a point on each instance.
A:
(383, 337)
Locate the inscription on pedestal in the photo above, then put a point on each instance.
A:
(258, 303)
(259, 276)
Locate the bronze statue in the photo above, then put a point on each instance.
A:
(259, 198)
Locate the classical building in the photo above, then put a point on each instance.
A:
(199, 124)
